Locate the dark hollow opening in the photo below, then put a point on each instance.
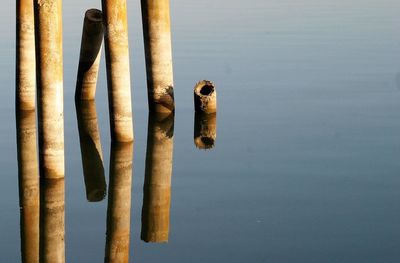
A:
(206, 90)
(208, 142)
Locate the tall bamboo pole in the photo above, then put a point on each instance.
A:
(49, 59)
(91, 152)
(118, 73)
(89, 60)
(158, 52)
(119, 203)
(25, 56)
(28, 179)
(52, 221)
(157, 184)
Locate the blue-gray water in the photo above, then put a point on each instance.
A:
(306, 166)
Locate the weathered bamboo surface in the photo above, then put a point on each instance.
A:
(205, 97)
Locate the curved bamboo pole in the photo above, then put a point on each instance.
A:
(118, 73)
(157, 184)
(89, 60)
(49, 59)
(158, 52)
(91, 152)
(119, 203)
(205, 130)
(25, 56)
(28, 179)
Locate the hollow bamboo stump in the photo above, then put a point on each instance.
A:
(158, 53)
(205, 97)
(205, 130)
(49, 59)
(52, 220)
(119, 203)
(118, 73)
(28, 179)
(25, 57)
(157, 182)
(89, 60)
(91, 152)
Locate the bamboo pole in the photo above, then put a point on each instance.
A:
(118, 73)
(119, 203)
(52, 222)
(28, 179)
(91, 152)
(205, 97)
(158, 53)
(157, 184)
(205, 130)
(89, 60)
(25, 57)
(49, 59)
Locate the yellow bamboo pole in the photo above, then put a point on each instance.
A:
(205, 97)
(52, 222)
(91, 152)
(28, 178)
(158, 52)
(89, 60)
(25, 57)
(119, 203)
(157, 184)
(49, 59)
(118, 73)
(205, 130)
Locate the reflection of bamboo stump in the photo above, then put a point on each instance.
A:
(205, 97)
(158, 53)
(49, 54)
(205, 130)
(25, 68)
(118, 72)
(89, 60)
(92, 156)
(28, 177)
(157, 184)
(52, 228)
(119, 203)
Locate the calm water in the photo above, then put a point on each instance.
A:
(306, 164)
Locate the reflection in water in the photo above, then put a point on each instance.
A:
(52, 224)
(28, 179)
(157, 182)
(92, 157)
(119, 203)
(205, 130)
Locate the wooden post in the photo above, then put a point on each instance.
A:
(157, 182)
(25, 57)
(158, 52)
(92, 154)
(205, 130)
(118, 73)
(89, 60)
(52, 221)
(119, 203)
(49, 59)
(28, 179)
(205, 97)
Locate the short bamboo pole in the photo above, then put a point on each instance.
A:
(158, 52)
(89, 60)
(28, 178)
(119, 203)
(91, 152)
(49, 59)
(157, 184)
(52, 220)
(205, 130)
(205, 97)
(25, 57)
(118, 73)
